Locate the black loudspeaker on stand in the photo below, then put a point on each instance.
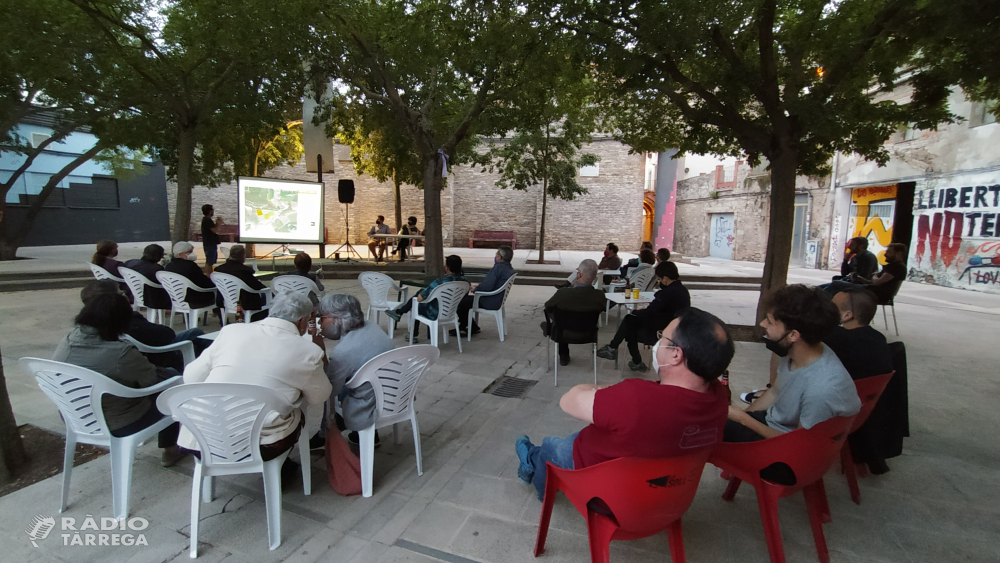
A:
(345, 195)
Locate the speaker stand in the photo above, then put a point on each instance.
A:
(346, 247)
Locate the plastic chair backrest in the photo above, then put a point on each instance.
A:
(808, 452)
(102, 274)
(869, 391)
(645, 495)
(643, 279)
(394, 376)
(377, 285)
(295, 284)
(230, 286)
(507, 286)
(449, 295)
(225, 419)
(574, 327)
(176, 286)
(76, 391)
(136, 282)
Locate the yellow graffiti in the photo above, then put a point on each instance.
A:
(865, 226)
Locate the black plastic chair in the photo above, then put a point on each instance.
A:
(583, 331)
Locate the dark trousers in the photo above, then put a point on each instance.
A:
(629, 332)
(421, 308)
(402, 248)
(165, 439)
(464, 306)
(779, 473)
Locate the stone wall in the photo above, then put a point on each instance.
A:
(610, 211)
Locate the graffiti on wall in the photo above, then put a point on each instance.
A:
(875, 207)
(957, 239)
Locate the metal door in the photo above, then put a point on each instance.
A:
(722, 234)
(800, 229)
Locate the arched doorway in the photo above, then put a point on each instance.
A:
(648, 214)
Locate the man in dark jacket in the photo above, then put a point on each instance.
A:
(641, 325)
(235, 266)
(494, 280)
(860, 262)
(583, 297)
(183, 264)
(148, 265)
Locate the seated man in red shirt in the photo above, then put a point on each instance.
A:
(683, 411)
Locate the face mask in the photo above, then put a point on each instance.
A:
(333, 331)
(607, 253)
(775, 345)
(656, 364)
(192, 257)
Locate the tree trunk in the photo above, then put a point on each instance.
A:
(541, 229)
(11, 241)
(399, 204)
(779, 233)
(185, 183)
(12, 454)
(433, 243)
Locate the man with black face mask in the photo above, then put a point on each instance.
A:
(341, 319)
(812, 385)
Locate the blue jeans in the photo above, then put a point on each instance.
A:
(555, 449)
(836, 287)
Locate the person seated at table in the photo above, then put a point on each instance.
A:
(341, 319)
(633, 262)
(147, 266)
(583, 297)
(610, 261)
(662, 255)
(494, 280)
(183, 264)
(884, 284)
(410, 228)
(641, 326)
(148, 333)
(94, 343)
(235, 265)
(811, 385)
(270, 353)
(682, 411)
(303, 265)
(646, 261)
(452, 272)
(379, 228)
(859, 262)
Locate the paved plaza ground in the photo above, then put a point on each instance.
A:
(940, 501)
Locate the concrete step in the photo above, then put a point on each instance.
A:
(10, 286)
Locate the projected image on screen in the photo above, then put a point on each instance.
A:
(280, 211)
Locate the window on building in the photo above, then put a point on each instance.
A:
(908, 132)
(981, 114)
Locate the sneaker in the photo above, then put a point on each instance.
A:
(463, 332)
(475, 330)
(607, 352)
(640, 367)
(393, 314)
(416, 340)
(525, 471)
(751, 396)
(317, 442)
(172, 455)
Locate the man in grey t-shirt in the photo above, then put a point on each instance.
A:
(812, 385)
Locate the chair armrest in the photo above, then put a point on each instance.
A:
(152, 390)
(186, 348)
(479, 294)
(203, 289)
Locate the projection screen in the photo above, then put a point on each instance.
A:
(281, 211)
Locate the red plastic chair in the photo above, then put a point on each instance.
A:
(869, 390)
(809, 453)
(646, 496)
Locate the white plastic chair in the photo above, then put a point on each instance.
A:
(296, 284)
(137, 283)
(177, 286)
(378, 286)
(230, 286)
(186, 348)
(102, 274)
(394, 376)
(448, 296)
(77, 393)
(500, 314)
(226, 420)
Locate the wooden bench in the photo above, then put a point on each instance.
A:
(494, 236)
(227, 233)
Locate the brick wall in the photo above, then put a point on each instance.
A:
(610, 211)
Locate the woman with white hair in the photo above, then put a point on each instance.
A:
(341, 319)
(183, 264)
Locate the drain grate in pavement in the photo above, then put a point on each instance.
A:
(509, 387)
